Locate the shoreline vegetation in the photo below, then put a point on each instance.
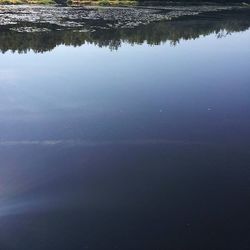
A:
(2, 2)
(119, 2)
(76, 2)
(103, 2)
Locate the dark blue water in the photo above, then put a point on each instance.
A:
(144, 147)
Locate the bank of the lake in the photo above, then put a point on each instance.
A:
(120, 2)
(2, 2)
(78, 2)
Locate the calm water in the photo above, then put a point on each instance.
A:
(137, 140)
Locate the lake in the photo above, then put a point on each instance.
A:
(128, 137)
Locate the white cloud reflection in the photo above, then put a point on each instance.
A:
(89, 143)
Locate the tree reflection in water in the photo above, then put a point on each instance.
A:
(44, 37)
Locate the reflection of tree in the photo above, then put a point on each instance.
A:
(153, 34)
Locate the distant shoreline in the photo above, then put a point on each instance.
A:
(120, 2)
(75, 2)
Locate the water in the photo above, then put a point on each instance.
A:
(130, 139)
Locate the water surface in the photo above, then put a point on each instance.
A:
(126, 139)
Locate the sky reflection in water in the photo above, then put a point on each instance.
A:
(141, 148)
